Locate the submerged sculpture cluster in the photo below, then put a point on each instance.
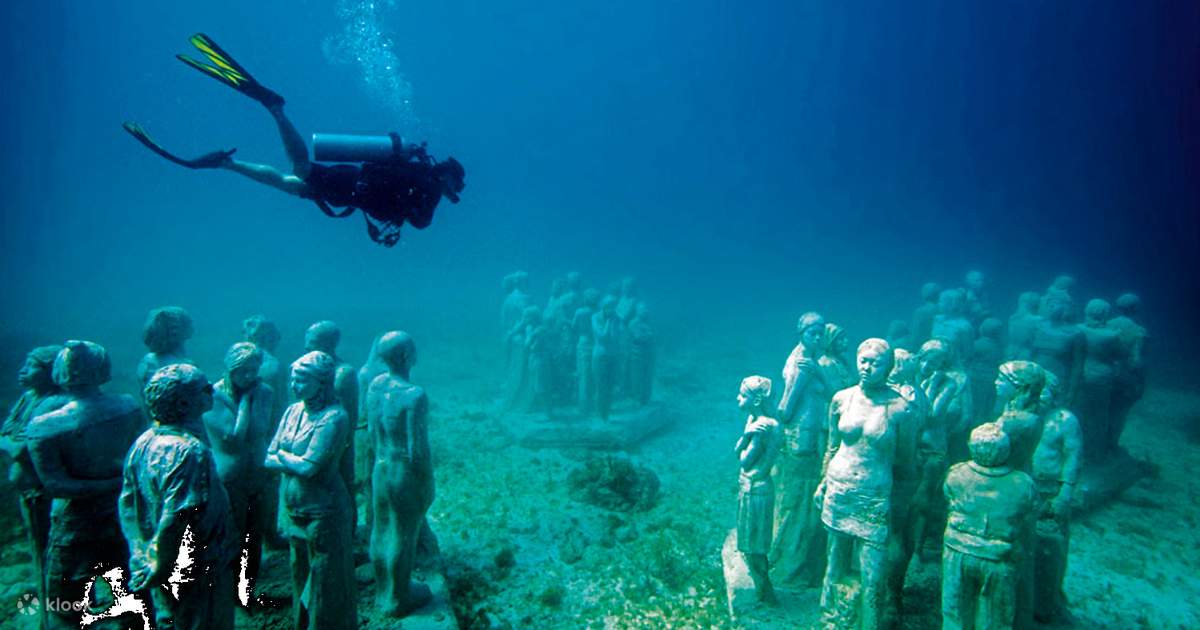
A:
(174, 512)
(958, 434)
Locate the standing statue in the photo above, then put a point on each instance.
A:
(519, 383)
(987, 352)
(1056, 463)
(324, 336)
(835, 369)
(951, 323)
(641, 356)
(1059, 346)
(922, 321)
(171, 487)
(909, 484)
(1060, 289)
(41, 395)
(756, 450)
(991, 510)
(1022, 327)
(1130, 381)
(581, 327)
(164, 333)
(975, 292)
(239, 428)
(308, 451)
(262, 332)
(1103, 358)
(606, 334)
(855, 493)
(516, 299)
(798, 552)
(77, 453)
(950, 396)
(397, 417)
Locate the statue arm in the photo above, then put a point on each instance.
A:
(1072, 446)
(323, 448)
(47, 461)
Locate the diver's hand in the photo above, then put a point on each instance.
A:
(216, 159)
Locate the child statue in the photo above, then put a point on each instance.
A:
(991, 509)
(1056, 463)
(756, 450)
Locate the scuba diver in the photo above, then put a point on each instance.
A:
(393, 182)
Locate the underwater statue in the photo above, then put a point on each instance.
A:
(397, 417)
(77, 453)
(171, 487)
(909, 484)
(641, 356)
(262, 332)
(1022, 327)
(949, 391)
(307, 450)
(987, 353)
(520, 382)
(40, 395)
(990, 514)
(606, 334)
(975, 292)
(951, 324)
(835, 369)
(855, 493)
(628, 299)
(1056, 463)
(581, 330)
(798, 552)
(324, 336)
(239, 428)
(516, 299)
(1130, 382)
(922, 319)
(1093, 402)
(164, 333)
(1060, 346)
(756, 450)
(1060, 289)
(897, 334)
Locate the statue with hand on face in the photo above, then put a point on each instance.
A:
(756, 449)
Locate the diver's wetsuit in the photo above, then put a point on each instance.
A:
(391, 194)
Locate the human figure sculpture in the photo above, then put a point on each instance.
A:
(171, 487)
(991, 512)
(951, 323)
(606, 327)
(975, 293)
(1056, 463)
(40, 395)
(553, 310)
(986, 353)
(798, 551)
(756, 449)
(165, 332)
(897, 334)
(1103, 359)
(572, 297)
(628, 300)
(641, 356)
(1059, 346)
(855, 493)
(1130, 381)
(516, 299)
(77, 452)
(307, 450)
(581, 327)
(922, 321)
(239, 429)
(909, 485)
(519, 381)
(1022, 326)
(397, 414)
(949, 391)
(1060, 289)
(324, 336)
(262, 332)
(835, 369)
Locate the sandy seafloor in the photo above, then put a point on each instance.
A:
(1134, 563)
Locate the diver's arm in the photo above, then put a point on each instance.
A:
(269, 175)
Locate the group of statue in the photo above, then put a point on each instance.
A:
(968, 438)
(583, 349)
(173, 491)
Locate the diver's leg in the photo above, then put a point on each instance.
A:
(267, 174)
(293, 142)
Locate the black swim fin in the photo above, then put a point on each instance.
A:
(224, 69)
(215, 159)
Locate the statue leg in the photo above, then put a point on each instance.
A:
(35, 512)
(840, 546)
(872, 565)
(998, 584)
(300, 576)
(400, 512)
(759, 572)
(957, 602)
(332, 599)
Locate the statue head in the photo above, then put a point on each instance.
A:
(574, 281)
(242, 362)
(754, 393)
(312, 377)
(591, 298)
(178, 393)
(628, 286)
(906, 367)
(37, 373)
(1051, 390)
(930, 292)
(935, 355)
(874, 361)
(608, 306)
(81, 364)
(262, 332)
(1097, 312)
(975, 281)
(951, 302)
(834, 339)
(1128, 303)
(811, 327)
(166, 329)
(558, 286)
(991, 328)
(1058, 306)
(323, 336)
(1028, 302)
(1019, 384)
(1064, 282)
(989, 445)
(398, 351)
